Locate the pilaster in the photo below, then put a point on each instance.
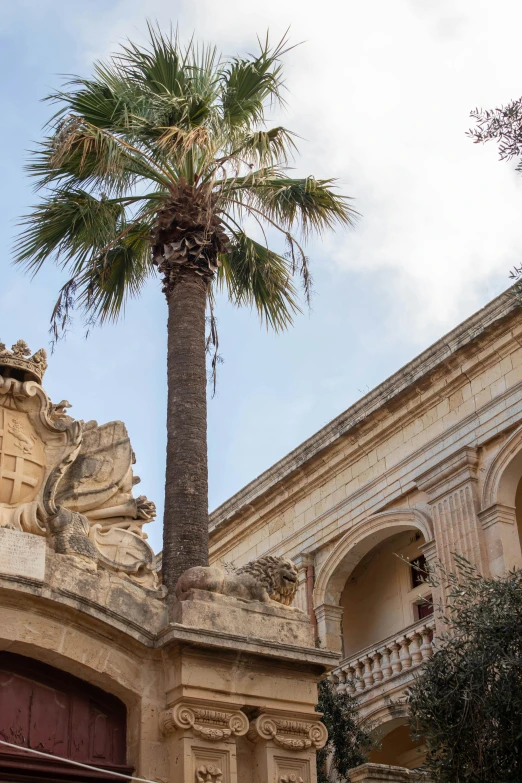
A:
(202, 740)
(329, 626)
(452, 492)
(285, 746)
(501, 537)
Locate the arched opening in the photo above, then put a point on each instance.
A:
(398, 748)
(385, 592)
(351, 551)
(47, 710)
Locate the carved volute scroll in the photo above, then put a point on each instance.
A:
(203, 721)
(291, 778)
(288, 733)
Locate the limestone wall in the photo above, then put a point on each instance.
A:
(435, 453)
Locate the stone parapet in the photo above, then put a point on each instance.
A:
(383, 773)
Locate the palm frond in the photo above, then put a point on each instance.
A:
(68, 226)
(250, 82)
(310, 204)
(102, 289)
(258, 277)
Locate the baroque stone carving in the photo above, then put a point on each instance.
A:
(266, 579)
(209, 774)
(206, 722)
(288, 733)
(291, 778)
(66, 480)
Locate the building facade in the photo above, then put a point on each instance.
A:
(426, 465)
(103, 676)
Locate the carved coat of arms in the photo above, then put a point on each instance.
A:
(66, 480)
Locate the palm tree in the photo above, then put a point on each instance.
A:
(152, 166)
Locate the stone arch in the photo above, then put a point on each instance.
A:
(504, 473)
(360, 540)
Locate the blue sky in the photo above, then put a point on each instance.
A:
(380, 93)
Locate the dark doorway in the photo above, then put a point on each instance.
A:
(44, 709)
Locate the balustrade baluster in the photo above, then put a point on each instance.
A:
(427, 644)
(395, 661)
(359, 681)
(377, 671)
(350, 680)
(386, 668)
(368, 674)
(405, 652)
(340, 686)
(415, 650)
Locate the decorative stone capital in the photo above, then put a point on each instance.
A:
(450, 474)
(288, 732)
(204, 721)
(497, 513)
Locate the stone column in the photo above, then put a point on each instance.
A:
(329, 628)
(451, 487)
(202, 741)
(285, 747)
(502, 542)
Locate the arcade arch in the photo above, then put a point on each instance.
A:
(363, 570)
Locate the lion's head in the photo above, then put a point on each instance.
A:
(277, 574)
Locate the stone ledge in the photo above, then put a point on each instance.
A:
(175, 633)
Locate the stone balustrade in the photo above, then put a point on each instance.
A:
(384, 660)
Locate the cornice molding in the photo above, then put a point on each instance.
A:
(380, 399)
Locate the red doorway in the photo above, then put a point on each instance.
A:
(44, 709)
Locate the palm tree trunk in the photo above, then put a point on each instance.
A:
(185, 526)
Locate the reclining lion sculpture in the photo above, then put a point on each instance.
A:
(267, 579)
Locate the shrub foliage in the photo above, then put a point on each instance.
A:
(349, 740)
(468, 700)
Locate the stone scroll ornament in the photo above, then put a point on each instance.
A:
(210, 724)
(68, 481)
(288, 733)
(266, 579)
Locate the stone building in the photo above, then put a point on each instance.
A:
(427, 464)
(102, 673)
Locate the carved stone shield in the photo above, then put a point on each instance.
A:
(22, 458)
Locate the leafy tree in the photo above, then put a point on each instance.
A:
(153, 166)
(349, 741)
(503, 125)
(468, 700)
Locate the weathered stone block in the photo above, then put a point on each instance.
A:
(251, 619)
